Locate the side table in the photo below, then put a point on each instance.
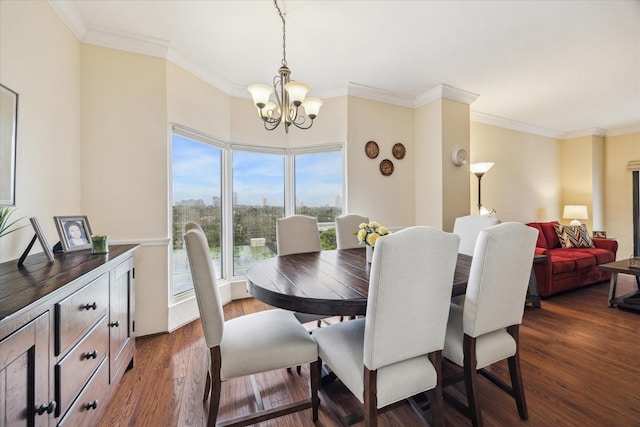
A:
(630, 300)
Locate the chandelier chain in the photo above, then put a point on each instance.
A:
(284, 37)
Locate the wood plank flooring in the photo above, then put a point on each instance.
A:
(580, 363)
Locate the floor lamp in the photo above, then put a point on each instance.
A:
(479, 169)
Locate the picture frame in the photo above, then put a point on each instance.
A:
(8, 141)
(43, 242)
(600, 234)
(74, 232)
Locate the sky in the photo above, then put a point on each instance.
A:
(197, 175)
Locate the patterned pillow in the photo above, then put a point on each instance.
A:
(571, 236)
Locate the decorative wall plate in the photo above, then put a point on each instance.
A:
(372, 149)
(399, 151)
(386, 167)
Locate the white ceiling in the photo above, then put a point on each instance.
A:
(559, 67)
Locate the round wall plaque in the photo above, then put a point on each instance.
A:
(386, 167)
(399, 151)
(371, 149)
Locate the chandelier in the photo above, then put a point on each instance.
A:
(290, 96)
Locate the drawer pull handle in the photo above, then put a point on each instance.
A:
(91, 355)
(92, 405)
(93, 306)
(114, 324)
(49, 408)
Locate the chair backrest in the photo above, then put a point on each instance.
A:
(499, 277)
(468, 227)
(409, 294)
(297, 234)
(346, 228)
(204, 283)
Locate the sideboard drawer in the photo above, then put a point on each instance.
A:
(75, 369)
(78, 312)
(83, 410)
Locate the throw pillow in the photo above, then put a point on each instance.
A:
(572, 236)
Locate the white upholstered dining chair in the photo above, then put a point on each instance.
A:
(395, 351)
(485, 330)
(298, 234)
(346, 228)
(468, 227)
(246, 345)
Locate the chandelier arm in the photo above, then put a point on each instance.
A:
(300, 123)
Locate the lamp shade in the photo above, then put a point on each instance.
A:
(575, 212)
(481, 167)
(312, 106)
(297, 91)
(260, 94)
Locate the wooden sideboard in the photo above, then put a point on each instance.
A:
(67, 335)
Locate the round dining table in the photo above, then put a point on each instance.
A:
(331, 283)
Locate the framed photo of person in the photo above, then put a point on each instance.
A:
(600, 234)
(74, 232)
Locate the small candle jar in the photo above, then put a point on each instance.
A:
(100, 244)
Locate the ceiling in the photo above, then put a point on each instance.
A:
(557, 67)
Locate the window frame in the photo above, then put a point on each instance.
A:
(227, 147)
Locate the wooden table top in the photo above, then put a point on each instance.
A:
(331, 283)
(621, 266)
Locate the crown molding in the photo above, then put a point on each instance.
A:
(159, 48)
(501, 122)
(445, 91)
(380, 95)
(585, 132)
(624, 131)
(71, 16)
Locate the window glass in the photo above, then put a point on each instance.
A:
(197, 197)
(318, 191)
(258, 200)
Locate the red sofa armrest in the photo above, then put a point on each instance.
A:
(608, 244)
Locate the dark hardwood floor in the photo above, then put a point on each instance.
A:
(580, 363)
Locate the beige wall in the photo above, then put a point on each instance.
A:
(386, 199)
(428, 165)
(40, 60)
(525, 184)
(581, 168)
(618, 199)
(124, 166)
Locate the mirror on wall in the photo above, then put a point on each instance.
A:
(8, 133)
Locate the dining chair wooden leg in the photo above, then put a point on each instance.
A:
(216, 386)
(434, 395)
(516, 376)
(370, 398)
(470, 374)
(207, 386)
(314, 374)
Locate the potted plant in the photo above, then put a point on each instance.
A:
(6, 223)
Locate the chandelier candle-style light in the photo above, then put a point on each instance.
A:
(290, 96)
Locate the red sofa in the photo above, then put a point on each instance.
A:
(569, 268)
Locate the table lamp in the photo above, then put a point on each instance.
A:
(575, 212)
